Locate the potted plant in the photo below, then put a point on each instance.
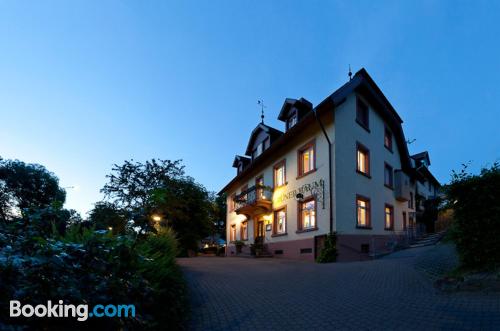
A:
(239, 245)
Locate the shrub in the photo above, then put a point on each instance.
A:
(474, 200)
(329, 252)
(93, 267)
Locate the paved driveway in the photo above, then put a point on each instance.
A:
(386, 294)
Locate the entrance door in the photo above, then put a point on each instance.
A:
(260, 229)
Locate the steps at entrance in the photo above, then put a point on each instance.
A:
(428, 239)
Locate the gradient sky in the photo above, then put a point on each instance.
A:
(85, 84)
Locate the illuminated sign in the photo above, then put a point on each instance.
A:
(316, 189)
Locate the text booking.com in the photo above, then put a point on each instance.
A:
(60, 310)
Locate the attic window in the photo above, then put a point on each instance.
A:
(292, 120)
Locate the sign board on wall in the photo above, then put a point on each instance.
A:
(316, 188)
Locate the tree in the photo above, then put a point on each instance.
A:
(24, 185)
(218, 214)
(105, 215)
(161, 189)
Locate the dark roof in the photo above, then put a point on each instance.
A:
(238, 158)
(302, 105)
(273, 133)
(360, 83)
(422, 155)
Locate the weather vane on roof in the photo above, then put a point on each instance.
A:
(261, 104)
(350, 72)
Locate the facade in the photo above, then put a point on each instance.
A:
(342, 166)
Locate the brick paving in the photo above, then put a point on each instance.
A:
(393, 293)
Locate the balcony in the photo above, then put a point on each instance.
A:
(254, 201)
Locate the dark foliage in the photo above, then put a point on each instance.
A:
(159, 188)
(93, 267)
(329, 252)
(474, 200)
(25, 186)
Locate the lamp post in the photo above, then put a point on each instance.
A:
(157, 219)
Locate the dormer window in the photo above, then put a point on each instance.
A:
(292, 120)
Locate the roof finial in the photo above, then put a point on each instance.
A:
(261, 104)
(350, 72)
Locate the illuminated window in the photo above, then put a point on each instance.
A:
(388, 176)
(280, 221)
(389, 217)
(307, 211)
(244, 231)
(306, 159)
(388, 139)
(362, 114)
(279, 174)
(362, 159)
(232, 233)
(259, 184)
(363, 212)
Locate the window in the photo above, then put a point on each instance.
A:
(280, 174)
(388, 176)
(292, 120)
(232, 233)
(388, 139)
(362, 114)
(307, 214)
(280, 221)
(259, 185)
(389, 217)
(232, 202)
(362, 159)
(306, 159)
(363, 212)
(244, 231)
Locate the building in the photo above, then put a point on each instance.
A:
(341, 166)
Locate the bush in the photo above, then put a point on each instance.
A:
(329, 252)
(474, 200)
(92, 267)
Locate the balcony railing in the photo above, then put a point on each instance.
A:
(255, 196)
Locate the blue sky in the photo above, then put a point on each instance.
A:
(85, 84)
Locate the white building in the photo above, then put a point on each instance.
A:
(341, 166)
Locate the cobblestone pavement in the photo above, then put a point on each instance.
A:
(393, 293)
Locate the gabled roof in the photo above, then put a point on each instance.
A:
(361, 83)
(301, 104)
(238, 158)
(273, 134)
(422, 155)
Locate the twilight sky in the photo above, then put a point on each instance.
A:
(85, 84)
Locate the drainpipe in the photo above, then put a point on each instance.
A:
(329, 168)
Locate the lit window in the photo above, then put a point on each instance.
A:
(232, 233)
(244, 230)
(280, 221)
(306, 159)
(363, 159)
(259, 183)
(362, 116)
(308, 214)
(363, 211)
(279, 174)
(389, 217)
(388, 139)
(388, 176)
